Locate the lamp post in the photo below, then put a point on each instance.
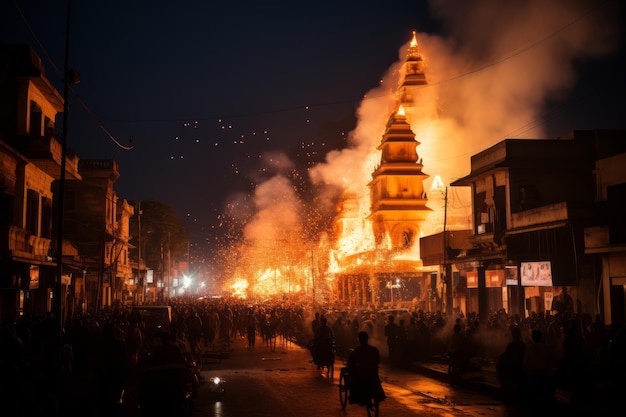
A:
(84, 301)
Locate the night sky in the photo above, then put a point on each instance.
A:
(214, 96)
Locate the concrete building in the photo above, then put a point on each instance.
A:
(544, 220)
(30, 157)
(96, 234)
(389, 272)
(97, 220)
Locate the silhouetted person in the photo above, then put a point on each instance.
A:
(315, 323)
(509, 367)
(563, 304)
(251, 325)
(164, 380)
(391, 333)
(573, 369)
(456, 350)
(194, 331)
(537, 367)
(363, 368)
(323, 341)
(402, 342)
(110, 372)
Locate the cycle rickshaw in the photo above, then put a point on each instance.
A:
(371, 401)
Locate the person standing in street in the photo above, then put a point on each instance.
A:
(391, 332)
(251, 326)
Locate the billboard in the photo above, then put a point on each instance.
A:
(472, 279)
(494, 277)
(536, 274)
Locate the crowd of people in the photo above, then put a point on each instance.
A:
(97, 352)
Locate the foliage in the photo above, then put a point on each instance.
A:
(161, 230)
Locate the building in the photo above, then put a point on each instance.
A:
(540, 210)
(386, 269)
(95, 269)
(30, 168)
(605, 239)
(97, 220)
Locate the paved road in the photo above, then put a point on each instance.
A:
(264, 383)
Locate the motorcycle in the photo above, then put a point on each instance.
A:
(217, 385)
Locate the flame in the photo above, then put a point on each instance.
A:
(414, 41)
(292, 265)
(239, 288)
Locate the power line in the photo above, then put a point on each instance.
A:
(63, 76)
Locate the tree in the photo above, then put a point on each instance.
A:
(162, 233)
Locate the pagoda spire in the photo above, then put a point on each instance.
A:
(414, 77)
(397, 196)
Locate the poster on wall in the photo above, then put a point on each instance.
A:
(510, 275)
(547, 300)
(536, 274)
(472, 279)
(494, 277)
(34, 277)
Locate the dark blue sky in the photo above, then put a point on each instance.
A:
(206, 88)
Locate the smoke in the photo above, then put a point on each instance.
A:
(490, 76)
(277, 214)
(499, 65)
(351, 168)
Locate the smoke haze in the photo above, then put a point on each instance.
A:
(490, 77)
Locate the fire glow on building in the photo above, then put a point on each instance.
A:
(371, 255)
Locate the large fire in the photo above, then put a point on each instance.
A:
(486, 83)
(277, 260)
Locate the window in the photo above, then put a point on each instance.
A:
(617, 220)
(46, 218)
(32, 212)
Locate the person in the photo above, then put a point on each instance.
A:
(166, 352)
(110, 372)
(391, 332)
(251, 325)
(315, 323)
(164, 379)
(537, 367)
(323, 341)
(509, 367)
(363, 369)
(563, 304)
(456, 351)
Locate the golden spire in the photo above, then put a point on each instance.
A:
(413, 73)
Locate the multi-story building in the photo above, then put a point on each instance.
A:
(537, 209)
(30, 164)
(97, 221)
(95, 267)
(605, 239)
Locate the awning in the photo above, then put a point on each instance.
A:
(535, 228)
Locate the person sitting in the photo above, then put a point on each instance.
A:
(363, 369)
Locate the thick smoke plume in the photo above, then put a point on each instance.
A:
(490, 76)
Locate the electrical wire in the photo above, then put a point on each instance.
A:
(63, 78)
(528, 126)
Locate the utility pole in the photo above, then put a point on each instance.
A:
(58, 310)
(313, 278)
(139, 270)
(447, 267)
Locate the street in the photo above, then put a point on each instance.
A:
(285, 383)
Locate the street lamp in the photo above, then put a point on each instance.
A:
(84, 300)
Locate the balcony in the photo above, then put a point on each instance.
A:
(45, 152)
(22, 244)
